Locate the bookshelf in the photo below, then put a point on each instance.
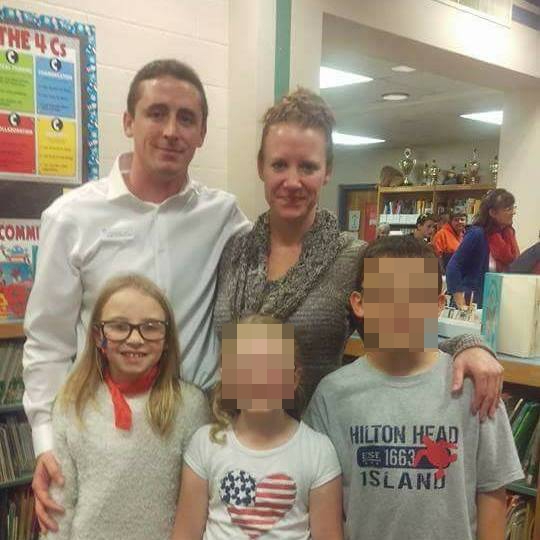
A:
(21, 481)
(11, 408)
(11, 330)
(424, 199)
(525, 373)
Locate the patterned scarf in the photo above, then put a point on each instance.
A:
(249, 290)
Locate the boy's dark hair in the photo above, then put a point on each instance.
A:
(422, 218)
(399, 247)
(457, 212)
(168, 67)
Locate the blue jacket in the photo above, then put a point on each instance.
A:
(466, 269)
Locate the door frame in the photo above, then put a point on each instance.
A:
(343, 190)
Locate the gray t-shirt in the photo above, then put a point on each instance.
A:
(413, 456)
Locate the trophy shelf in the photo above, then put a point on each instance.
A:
(406, 189)
(464, 187)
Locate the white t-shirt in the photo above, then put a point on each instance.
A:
(261, 493)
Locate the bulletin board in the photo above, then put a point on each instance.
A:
(48, 99)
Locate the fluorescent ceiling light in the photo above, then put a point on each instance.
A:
(329, 78)
(395, 96)
(353, 140)
(403, 69)
(490, 117)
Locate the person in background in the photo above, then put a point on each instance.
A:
(528, 262)
(425, 226)
(383, 229)
(488, 246)
(447, 239)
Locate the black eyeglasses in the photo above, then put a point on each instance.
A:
(121, 330)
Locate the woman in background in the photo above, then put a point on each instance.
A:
(488, 246)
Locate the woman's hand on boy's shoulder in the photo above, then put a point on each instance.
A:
(487, 376)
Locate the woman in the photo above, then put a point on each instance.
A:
(488, 246)
(295, 264)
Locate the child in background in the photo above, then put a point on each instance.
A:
(123, 419)
(416, 463)
(447, 239)
(257, 472)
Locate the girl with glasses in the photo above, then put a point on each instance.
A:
(122, 420)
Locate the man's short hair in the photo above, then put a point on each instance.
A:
(398, 247)
(168, 67)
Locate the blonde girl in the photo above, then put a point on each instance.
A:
(123, 418)
(257, 472)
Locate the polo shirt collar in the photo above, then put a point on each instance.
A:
(117, 187)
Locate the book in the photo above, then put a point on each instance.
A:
(19, 240)
(11, 382)
(16, 452)
(17, 516)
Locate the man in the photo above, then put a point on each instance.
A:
(147, 216)
(447, 239)
(425, 226)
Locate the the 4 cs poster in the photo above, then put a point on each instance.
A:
(48, 99)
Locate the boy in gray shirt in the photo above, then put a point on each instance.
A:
(416, 463)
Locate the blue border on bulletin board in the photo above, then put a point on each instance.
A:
(87, 36)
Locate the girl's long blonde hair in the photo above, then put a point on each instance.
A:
(87, 374)
(223, 414)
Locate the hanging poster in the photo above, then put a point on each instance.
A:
(18, 256)
(48, 99)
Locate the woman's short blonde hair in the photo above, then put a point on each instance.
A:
(305, 109)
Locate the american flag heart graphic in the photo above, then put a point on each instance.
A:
(257, 506)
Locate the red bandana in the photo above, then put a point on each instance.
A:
(122, 412)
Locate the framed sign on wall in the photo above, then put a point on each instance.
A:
(48, 99)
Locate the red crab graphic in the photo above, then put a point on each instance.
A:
(437, 453)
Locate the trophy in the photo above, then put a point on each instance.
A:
(406, 166)
(434, 171)
(494, 169)
(463, 177)
(425, 174)
(473, 167)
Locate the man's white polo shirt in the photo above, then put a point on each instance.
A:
(100, 230)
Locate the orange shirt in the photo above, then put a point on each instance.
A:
(446, 241)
